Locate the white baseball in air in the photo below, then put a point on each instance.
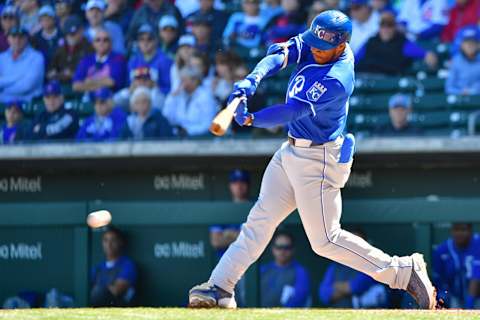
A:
(98, 219)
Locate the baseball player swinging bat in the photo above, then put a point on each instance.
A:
(224, 118)
(309, 170)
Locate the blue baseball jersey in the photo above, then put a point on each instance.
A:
(325, 89)
(454, 268)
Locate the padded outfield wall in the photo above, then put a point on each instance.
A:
(403, 192)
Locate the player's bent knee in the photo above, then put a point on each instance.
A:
(324, 243)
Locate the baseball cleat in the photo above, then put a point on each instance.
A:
(207, 295)
(419, 285)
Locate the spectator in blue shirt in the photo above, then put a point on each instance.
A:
(120, 12)
(454, 263)
(423, 19)
(246, 28)
(9, 19)
(287, 24)
(56, 122)
(389, 52)
(464, 73)
(145, 122)
(168, 33)
(49, 37)
(284, 282)
(151, 12)
(14, 129)
(108, 121)
(95, 14)
(149, 55)
(63, 10)
(343, 287)
(113, 280)
(22, 69)
(209, 13)
(202, 31)
(104, 68)
(29, 18)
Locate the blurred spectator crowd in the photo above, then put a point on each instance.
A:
(105, 70)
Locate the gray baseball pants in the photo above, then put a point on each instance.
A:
(307, 179)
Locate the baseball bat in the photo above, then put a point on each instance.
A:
(222, 120)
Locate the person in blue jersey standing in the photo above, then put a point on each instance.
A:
(309, 170)
(284, 282)
(455, 266)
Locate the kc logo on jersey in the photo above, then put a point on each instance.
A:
(316, 91)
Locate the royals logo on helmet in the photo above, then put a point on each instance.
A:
(316, 91)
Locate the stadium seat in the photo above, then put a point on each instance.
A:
(464, 102)
(431, 119)
(436, 101)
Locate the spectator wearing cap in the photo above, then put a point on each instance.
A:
(120, 12)
(464, 73)
(149, 55)
(399, 109)
(103, 68)
(202, 31)
(63, 10)
(9, 19)
(239, 185)
(29, 15)
(151, 12)
(95, 14)
(389, 52)
(192, 108)
(140, 77)
(56, 122)
(284, 282)
(185, 51)
(245, 29)
(287, 24)
(22, 68)
(365, 23)
(14, 129)
(145, 122)
(207, 12)
(49, 37)
(423, 19)
(66, 58)
(108, 121)
(464, 13)
(168, 34)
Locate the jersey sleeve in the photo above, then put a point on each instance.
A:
(291, 48)
(128, 272)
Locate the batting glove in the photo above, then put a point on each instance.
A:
(242, 116)
(248, 86)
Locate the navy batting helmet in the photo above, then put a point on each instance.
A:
(328, 30)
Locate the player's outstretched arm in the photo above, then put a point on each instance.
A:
(276, 115)
(276, 59)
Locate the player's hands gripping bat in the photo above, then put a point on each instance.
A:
(224, 118)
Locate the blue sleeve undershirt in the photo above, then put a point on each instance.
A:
(325, 291)
(302, 289)
(413, 50)
(431, 31)
(280, 114)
